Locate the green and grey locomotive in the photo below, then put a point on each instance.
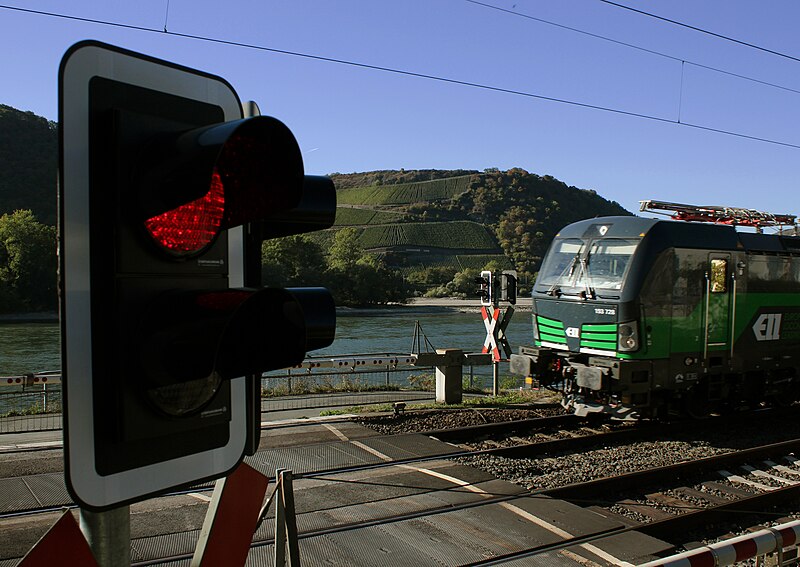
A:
(641, 317)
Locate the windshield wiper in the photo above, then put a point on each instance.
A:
(587, 278)
(569, 269)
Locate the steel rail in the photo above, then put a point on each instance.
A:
(629, 481)
(756, 505)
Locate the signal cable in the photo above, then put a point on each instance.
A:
(406, 73)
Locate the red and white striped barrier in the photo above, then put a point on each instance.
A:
(31, 379)
(736, 549)
(359, 361)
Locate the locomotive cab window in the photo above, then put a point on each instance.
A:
(576, 264)
(719, 272)
(561, 262)
(609, 261)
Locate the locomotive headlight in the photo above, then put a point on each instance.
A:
(628, 334)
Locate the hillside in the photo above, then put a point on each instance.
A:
(29, 152)
(446, 220)
(458, 219)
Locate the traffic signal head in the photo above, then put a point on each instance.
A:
(159, 172)
(191, 185)
(508, 286)
(484, 282)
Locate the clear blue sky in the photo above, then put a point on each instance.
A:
(350, 119)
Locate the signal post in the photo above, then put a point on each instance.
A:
(159, 175)
(494, 288)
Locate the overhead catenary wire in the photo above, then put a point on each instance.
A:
(704, 31)
(675, 58)
(404, 72)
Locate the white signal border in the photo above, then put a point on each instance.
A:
(80, 64)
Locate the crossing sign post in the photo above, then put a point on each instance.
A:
(494, 321)
(495, 331)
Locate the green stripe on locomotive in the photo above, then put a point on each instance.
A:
(750, 317)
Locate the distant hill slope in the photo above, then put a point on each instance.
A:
(460, 218)
(29, 154)
(436, 218)
(406, 193)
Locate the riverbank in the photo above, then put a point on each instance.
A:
(422, 305)
(47, 317)
(427, 306)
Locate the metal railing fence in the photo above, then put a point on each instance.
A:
(33, 402)
(25, 408)
(37, 407)
(295, 389)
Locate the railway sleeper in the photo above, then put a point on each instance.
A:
(645, 509)
(673, 504)
(731, 477)
(715, 486)
(712, 499)
(764, 474)
(611, 515)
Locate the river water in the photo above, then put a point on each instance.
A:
(34, 347)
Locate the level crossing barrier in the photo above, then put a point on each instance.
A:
(779, 543)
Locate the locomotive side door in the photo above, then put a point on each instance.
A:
(717, 308)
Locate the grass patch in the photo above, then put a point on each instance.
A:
(499, 402)
(35, 409)
(302, 385)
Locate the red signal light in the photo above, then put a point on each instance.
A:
(190, 228)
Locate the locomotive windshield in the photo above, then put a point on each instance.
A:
(574, 265)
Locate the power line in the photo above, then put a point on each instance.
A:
(402, 72)
(701, 30)
(569, 28)
(632, 46)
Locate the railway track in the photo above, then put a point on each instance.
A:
(519, 439)
(674, 500)
(529, 425)
(533, 440)
(628, 491)
(679, 502)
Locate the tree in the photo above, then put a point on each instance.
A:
(353, 276)
(462, 285)
(367, 282)
(291, 261)
(29, 154)
(345, 250)
(27, 263)
(428, 277)
(356, 277)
